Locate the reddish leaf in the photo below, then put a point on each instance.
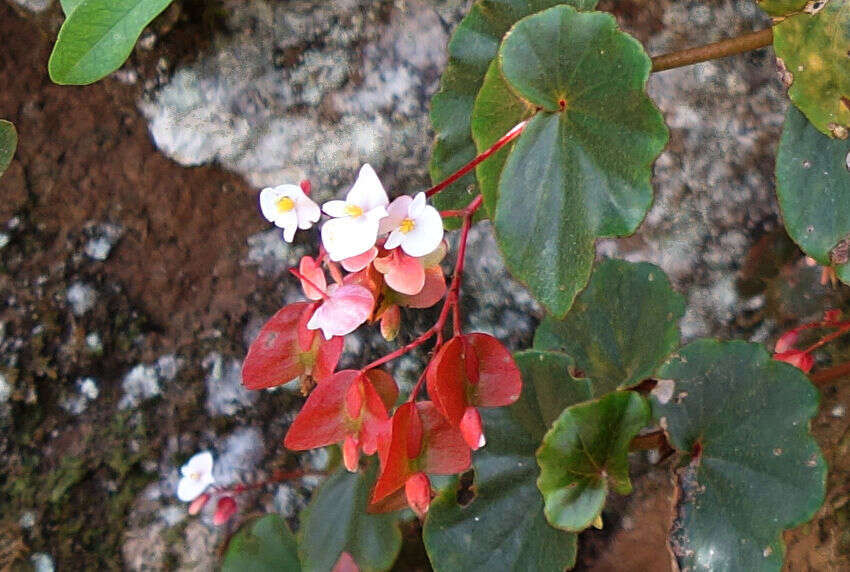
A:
(402, 273)
(385, 385)
(472, 428)
(444, 451)
(284, 350)
(799, 359)
(312, 271)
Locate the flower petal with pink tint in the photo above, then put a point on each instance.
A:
(358, 263)
(312, 271)
(343, 312)
(402, 273)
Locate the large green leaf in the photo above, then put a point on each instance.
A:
(581, 169)
(584, 452)
(781, 7)
(471, 49)
(813, 48)
(336, 521)
(8, 144)
(743, 420)
(98, 36)
(503, 528)
(69, 6)
(813, 185)
(264, 544)
(621, 327)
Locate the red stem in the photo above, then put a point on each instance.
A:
(277, 477)
(504, 140)
(844, 328)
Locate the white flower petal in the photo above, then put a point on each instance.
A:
(417, 206)
(426, 235)
(377, 214)
(286, 219)
(335, 209)
(308, 213)
(367, 192)
(347, 237)
(188, 489)
(199, 463)
(289, 232)
(268, 203)
(394, 239)
(396, 212)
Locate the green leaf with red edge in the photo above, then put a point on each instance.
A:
(472, 370)
(781, 7)
(8, 144)
(813, 47)
(263, 544)
(741, 421)
(586, 452)
(503, 527)
(621, 327)
(581, 168)
(336, 521)
(286, 349)
(420, 440)
(813, 187)
(344, 404)
(471, 49)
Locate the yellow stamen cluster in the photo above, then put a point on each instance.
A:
(353, 210)
(285, 204)
(407, 225)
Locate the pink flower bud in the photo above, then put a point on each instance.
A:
(417, 489)
(472, 429)
(224, 510)
(391, 322)
(786, 341)
(345, 564)
(799, 359)
(305, 186)
(198, 504)
(351, 453)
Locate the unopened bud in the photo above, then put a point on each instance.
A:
(417, 489)
(799, 359)
(224, 510)
(351, 453)
(472, 428)
(305, 186)
(786, 341)
(831, 316)
(345, 564)
(391, 322)
(354, 400)
(198, 504)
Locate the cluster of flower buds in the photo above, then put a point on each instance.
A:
(784, 349)
(195, 481)
(380, 256)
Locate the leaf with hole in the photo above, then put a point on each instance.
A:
(742, 421)
(813, 47)
(97, 38)
(336, 521)
(813, 186)
(264, 544)
(8, 144)
(586, 452)
(581, 169)
(503, 528)
(471, 49)
(621, 327)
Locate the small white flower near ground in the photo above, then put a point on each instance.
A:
(289, 208)
(196, 476)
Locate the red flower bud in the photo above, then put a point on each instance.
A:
(224, 510)
(417, 489)
(351, 453)
(305, 186)
(797, 358)
(472, 429)
(391, 322)
(345, 564)
(198, 504)
(786, 341)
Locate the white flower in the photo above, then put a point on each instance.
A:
(289, 208)
(354, 228)
(197, 476)
(414, 225)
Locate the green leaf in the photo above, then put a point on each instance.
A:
(813, 49)
(471, 49)
(582, 172)
(503, 528)
(68, 6)
(8, 144)
(263, 544)
(97, 38)
(754, 469)
(781, 7)
(813, 186)
(621, 327)
(584, 452)
(336, 521)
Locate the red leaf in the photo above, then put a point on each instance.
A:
(799, 359)
(472, 428)
(327, 356)
(277, 355)
(444, 451)
(417, 489)
(446, 380)
(499, 378)
(385, 385)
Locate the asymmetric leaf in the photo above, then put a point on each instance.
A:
(621, 327)
(504, 528)
(813, 186)
(584, 452)
(98, 36)
(581, 169)
(813, 49)
(743, 421)
(336, 520)
(263, 545)
(8, 144)
(471, 49)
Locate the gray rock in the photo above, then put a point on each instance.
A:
(35, 5)
(241, 453)
(87, 390)
(140, 383)
(103, 237)
(42, 562)
(81, 297)
(225, 393)
(271, 254)
(5, 389)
